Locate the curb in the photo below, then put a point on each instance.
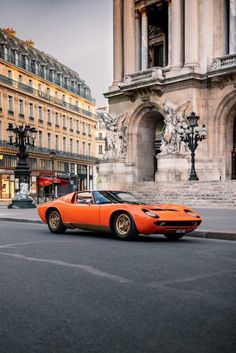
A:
(204, 234)
(21, 220)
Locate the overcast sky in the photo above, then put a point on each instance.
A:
(77, 32)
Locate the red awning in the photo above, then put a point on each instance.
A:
(45, 181)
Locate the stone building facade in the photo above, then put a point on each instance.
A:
(36, 89)
(171, 58)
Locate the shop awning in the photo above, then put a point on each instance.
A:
(45, 181)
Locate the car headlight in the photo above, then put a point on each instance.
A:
(150, 213)
(191, 213)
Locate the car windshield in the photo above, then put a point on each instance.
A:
(101, 197)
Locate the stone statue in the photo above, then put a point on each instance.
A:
(23, 192)
(116, 139)
(174, 119)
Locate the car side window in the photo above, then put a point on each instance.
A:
(84, 198)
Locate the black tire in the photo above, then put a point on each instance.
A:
(174, 237)
(54, 222)
(124, 227)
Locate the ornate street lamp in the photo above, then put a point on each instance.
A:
(191, 134)
(52, 156)
(22, 136)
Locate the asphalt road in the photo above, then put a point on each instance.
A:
(87, 293)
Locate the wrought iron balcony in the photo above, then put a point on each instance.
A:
(31, 68)
(28, 89)
(46, 151)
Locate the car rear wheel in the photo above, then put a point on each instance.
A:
(173, 237)
(55, 223)
(124, 226)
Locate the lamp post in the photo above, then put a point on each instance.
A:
(52, 155)
(191, 134)
(22, 136)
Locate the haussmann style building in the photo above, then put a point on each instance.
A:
(171, 58)
(37, 90)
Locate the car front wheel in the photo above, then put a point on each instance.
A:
(124, 226)
(54, 221)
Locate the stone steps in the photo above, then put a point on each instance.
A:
(194, 193)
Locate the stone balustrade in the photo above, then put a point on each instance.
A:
(224, 62)
(153, 74)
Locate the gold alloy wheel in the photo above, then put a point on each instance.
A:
(54, 219)
(123, 224)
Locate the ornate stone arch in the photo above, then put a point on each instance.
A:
(144, 117)
(223, 130)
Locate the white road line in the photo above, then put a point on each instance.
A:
(91, 270)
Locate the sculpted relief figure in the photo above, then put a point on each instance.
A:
(116, 139)
(174, 119)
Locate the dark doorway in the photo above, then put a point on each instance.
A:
(149, 141)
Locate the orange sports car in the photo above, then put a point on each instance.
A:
(117, 212)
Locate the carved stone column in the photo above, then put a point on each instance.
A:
(138, 40)
(232, 27)
(176, 33)
(144, 21)
(191, 33)
(129, 37)
(117, 41)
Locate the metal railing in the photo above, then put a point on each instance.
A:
(46, 151)
(31, 68)
(28, 89)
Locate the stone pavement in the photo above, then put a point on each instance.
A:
(217, 223)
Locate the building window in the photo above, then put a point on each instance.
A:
(49, 141)
(56, 119)
(57, 142)
(64, 122)
(10, 105)
(83, 151)
(77, 146)
(84, 133)
(20, 79)
(9, 74)
(30, 83)
(89, 130)
(0, 102)
(21, 108)
(49, 113)
(40, 87)
(100, 149)
(40, 139)
(72, 168)
(40, 113)
(31, 110)
(71, 145)
(89, 149)
(64, 144)
(48, 92)
(71, 124)
(77, 126)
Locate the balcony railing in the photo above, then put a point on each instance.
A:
(224, 62)
(149, 75)
(46, 151)
(28, 89)
(22, 64)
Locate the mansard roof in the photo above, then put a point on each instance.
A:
(8, 38)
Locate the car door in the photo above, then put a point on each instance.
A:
(83, 212)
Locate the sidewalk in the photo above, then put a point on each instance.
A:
(217, 223)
